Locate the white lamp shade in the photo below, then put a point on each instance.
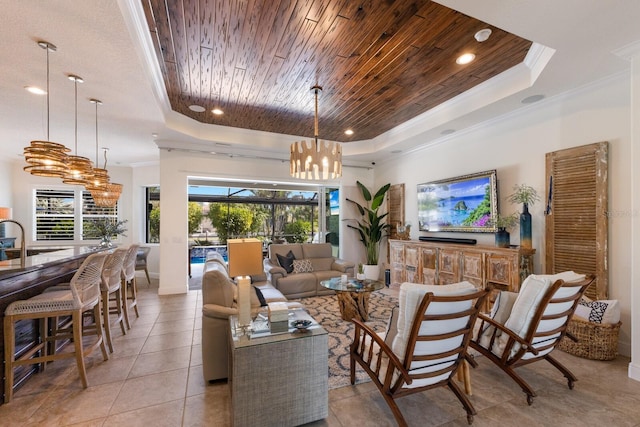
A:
(245, 257)
(5, 213)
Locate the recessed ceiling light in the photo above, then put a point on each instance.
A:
(217, 111)
(197, 108)
(154, 135)
(465, 58)
(531, 99)
(448, 131)
(482, 35)
(36, 90)
(348, 132)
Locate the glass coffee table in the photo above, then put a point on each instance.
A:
(353, 296)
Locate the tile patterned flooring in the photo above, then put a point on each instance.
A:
(154, 378)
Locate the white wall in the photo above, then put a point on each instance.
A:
(634, 366)
(516, 147)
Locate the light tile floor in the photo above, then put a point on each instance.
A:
(154, 378)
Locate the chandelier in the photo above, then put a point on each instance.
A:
(100, 176)
(46, 158)
(107, 196)
(103, 192)
(79, 169)
(320, 159)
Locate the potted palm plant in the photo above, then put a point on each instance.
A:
(371, 227)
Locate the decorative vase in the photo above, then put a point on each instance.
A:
(525, 227)
(105, 242)
(372, 272)
(503, 238)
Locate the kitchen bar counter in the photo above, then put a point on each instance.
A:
(47, 268)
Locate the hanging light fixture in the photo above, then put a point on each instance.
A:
(46, 158)
(107, 195)
(321, 160)
(100, 176)
(78, 168)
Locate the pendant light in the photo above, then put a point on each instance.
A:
(320, 160)
(78, 168)
(46, 158)
(100, 176)
(107, 195)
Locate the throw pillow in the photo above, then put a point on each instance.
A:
(263, 301)
(286, 261)
(302, 266)
(600, 311)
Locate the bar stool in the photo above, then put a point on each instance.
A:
(141, 261)
(111, 286)
(83, 296)
(129, 283)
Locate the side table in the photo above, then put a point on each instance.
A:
(279, 379)
(353, 296)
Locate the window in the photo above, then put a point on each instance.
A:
(63, 214)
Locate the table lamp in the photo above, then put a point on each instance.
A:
(245, 259)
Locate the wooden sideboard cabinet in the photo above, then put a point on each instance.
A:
(438, 263)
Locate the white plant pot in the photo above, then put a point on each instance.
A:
(360, 276)
(372, 272)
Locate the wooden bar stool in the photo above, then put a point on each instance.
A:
(129, 285)
(83, 296)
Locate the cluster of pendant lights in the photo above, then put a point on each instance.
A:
(50, 159)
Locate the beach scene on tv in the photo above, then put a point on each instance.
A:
(455, 204)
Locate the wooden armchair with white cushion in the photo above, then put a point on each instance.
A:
(526, 327)
(434, 325)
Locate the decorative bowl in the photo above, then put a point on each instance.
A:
(301, 324)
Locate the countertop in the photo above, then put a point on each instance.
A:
(48, 256)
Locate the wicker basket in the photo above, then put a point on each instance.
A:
(596, 341)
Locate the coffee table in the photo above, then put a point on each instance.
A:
(353, 296)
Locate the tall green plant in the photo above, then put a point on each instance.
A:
(371, 227)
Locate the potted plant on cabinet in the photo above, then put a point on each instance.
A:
(527, 196)
(372, 228)
(503, 224)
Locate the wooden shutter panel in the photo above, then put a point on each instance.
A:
(576, 216)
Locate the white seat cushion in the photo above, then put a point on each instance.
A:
(411, 295)
(524, 308)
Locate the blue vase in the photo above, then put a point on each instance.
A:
(503, 238)
(525, 227)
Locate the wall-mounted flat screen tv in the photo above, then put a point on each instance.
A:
(465, 203)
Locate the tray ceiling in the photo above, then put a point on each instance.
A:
(380, 63)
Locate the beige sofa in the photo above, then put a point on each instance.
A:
(219, 295)
(305, 284)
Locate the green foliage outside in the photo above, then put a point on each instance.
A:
(297, 231)
(231, 221)
(195, 216)
(154, 225)
(62, 230)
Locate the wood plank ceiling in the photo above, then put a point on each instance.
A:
(380, 63)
